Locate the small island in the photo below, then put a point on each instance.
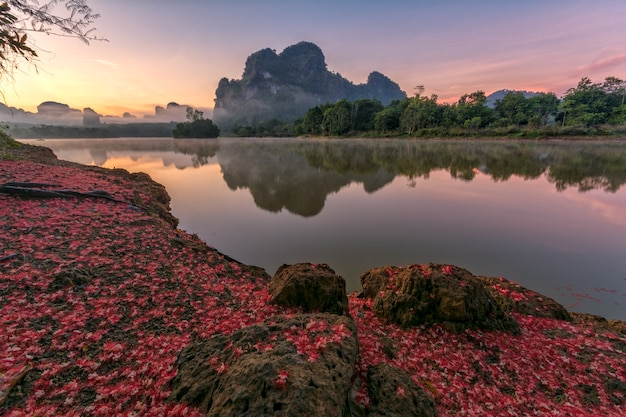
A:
(196, 126)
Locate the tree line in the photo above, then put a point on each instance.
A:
(588, 108)
(30, 131)
(196, 126)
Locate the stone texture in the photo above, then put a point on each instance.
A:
(512, 297)
(286, 366)
(445, 294)
(393, 393)
(600, 324)
(375, 280)
(313, 287)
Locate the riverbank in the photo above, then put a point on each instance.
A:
(98, 296)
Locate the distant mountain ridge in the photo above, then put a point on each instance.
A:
(284, 86)
(54, 113)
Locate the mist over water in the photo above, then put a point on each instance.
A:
(550, 216)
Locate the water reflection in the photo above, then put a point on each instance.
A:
(282, 176)
(298, 175)
(550, 215)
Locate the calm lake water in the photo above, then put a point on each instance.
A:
(548, 215)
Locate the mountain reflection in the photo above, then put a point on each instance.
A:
(299, 175)
(279, 176)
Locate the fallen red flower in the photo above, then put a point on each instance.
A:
(101, 298)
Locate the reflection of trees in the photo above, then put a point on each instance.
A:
(200, 149)
(298, 175)
(590, 166)
(586, 165)
(418, 159)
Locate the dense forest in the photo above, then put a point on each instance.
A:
(30, 131)
(587, 109)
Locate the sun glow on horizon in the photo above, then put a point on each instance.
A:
(535, 47)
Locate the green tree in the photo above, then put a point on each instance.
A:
(312, 122)
(589, 103)
(363, 114)
(543, 109)
(337, 118)
(513, 107)
(420, 112)
(448, 114)
(388, 119)
(472, 110)
(18, 17)
(196, 126)
(616, 88)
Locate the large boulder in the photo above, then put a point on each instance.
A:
(512, 297)
(393, 393)
(375, 280)
(287, 366)
(313, 287)
(433, 293)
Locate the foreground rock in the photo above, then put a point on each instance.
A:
(393, 393)
(512, 297)
(422, 294)
(303, 365)
(314, 287)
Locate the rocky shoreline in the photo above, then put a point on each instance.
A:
(107, 309)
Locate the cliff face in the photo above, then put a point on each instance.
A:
(284, 86)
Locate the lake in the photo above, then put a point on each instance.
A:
(548, 215)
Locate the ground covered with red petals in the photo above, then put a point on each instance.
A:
(98, 297)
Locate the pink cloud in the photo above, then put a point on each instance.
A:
(602, 64)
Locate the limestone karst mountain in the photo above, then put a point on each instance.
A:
(285, 85)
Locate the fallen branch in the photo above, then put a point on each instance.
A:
(30, 184)
(4, 395)
(31, 192)
(33, 189)
(9, 257)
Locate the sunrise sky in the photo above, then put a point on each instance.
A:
(159, 51)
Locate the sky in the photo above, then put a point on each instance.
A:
(161, 51)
